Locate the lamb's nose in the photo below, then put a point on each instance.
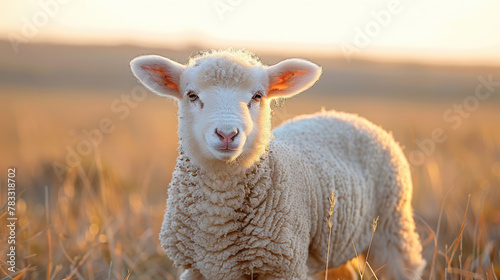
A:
(227, 137)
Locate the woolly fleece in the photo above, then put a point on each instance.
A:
(269, 222)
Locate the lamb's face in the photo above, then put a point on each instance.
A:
(224, 97)
(224, 113)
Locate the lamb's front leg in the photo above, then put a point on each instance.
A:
(191, 274)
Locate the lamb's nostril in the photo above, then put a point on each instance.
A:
(234, 134)
(220, 134)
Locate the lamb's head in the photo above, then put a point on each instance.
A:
(224, 100)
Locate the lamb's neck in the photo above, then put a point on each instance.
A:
(221, 204)
(225, 179)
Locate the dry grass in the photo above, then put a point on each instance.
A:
(101, 221)
(332, 201)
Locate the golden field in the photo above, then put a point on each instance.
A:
(94, 212)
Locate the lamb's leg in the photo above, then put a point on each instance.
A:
(190, 274)
(396, 251)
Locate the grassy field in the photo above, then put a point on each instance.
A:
(93, 211)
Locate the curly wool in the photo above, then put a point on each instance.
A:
(226, 68)
(271, 219)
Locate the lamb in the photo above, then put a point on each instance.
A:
(248, 202)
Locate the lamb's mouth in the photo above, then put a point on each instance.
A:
(226, 154)
(227, 150)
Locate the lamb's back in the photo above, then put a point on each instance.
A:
(343, 136)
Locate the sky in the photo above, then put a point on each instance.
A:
(462, 30)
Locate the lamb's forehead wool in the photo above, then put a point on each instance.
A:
(226, 68)
(243, 57)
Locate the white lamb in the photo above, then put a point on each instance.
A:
(243, 204)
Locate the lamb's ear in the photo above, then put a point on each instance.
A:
(292, 76)
(159, 74)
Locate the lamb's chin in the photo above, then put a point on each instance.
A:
(226, 156)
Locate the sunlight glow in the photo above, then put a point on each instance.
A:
(465, 28)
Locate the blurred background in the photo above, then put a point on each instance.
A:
(94, 151)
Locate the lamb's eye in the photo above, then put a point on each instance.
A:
(192, 96)
(257, 96)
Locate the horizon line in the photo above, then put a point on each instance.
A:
(418, 57)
